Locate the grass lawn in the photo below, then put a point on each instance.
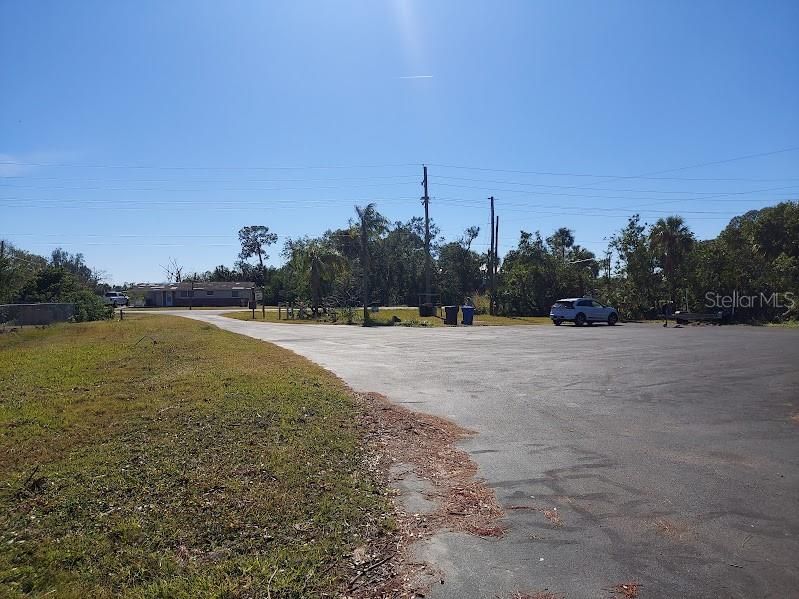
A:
(160, 457)
(486, 319)
(406, 315)
(144, 310)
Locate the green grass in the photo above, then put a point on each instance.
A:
(203, 465)
(486, 319)
(270, 317)
(407, 316)
(145, 309)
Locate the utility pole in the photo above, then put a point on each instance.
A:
(491, 260)
(496, 254)
(427, 259)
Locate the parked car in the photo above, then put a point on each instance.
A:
(582, 310)
(116, 298)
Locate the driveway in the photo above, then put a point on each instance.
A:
(671, 455)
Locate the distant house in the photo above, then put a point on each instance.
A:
(199, 293)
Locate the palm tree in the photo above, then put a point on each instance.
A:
(561, 240)
(670, 240)
(317, 260)
(322, 262)
(370, 222)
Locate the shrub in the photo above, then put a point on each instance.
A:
(89, 306)
(481, 303)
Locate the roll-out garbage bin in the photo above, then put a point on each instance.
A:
(468, 314)
(451, 315)
(427, 310)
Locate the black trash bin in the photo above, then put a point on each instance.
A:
(427, 310)
(451, 315)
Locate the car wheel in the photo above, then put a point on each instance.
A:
(613, 319)
(579, 320)
(557, 322)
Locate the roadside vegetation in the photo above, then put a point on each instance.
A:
(161, 457)
(643, 267)
(63, 277)
(390, 317)
(371, 260)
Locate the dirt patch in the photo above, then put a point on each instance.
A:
(397, 435)
(795, 418)
(675, 531)
(551, 514)
(540, 595)
(627, 590)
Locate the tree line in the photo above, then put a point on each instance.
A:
(374, 260)
(62, 277)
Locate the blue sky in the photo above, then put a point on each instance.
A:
(138, 131)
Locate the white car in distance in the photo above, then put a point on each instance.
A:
(116, 298)
(582, 310)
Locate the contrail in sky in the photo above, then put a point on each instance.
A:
(417, 77)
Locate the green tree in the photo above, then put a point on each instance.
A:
(254, 241)
(57, 284)
(370, 223)
(560, 242)
(635, 283)
(459, 268)
(671, 241)
(314, 264)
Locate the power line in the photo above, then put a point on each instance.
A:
(649, 175)
(725, 161)
(546, 186)
(216, 180)
(162, 189)
(607, 197)
(203, 168)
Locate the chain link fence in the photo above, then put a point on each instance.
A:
(35, 314)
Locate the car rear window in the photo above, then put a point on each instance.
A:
(567, 305)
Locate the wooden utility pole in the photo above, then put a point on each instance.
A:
(491, 263)
(496, 252)
(427, 258)
(365, 267)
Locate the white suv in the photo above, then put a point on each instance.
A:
(582, 310)
(116, 298)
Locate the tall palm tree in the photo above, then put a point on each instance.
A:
(370, 222)
(561, 240)
(670, 240)
(315, 259)
(322, 261)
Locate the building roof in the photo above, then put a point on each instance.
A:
(208, 285)
(214, 285)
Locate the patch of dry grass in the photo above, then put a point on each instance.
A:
(428, 445)
(627, 590)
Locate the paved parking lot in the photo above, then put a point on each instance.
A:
(671, 455)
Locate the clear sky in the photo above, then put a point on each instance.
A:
(138, 131)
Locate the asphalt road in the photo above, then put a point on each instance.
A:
(671, 454)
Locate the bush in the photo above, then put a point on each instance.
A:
(481, 303)
(89, 306)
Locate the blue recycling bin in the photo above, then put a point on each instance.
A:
(468, 314)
